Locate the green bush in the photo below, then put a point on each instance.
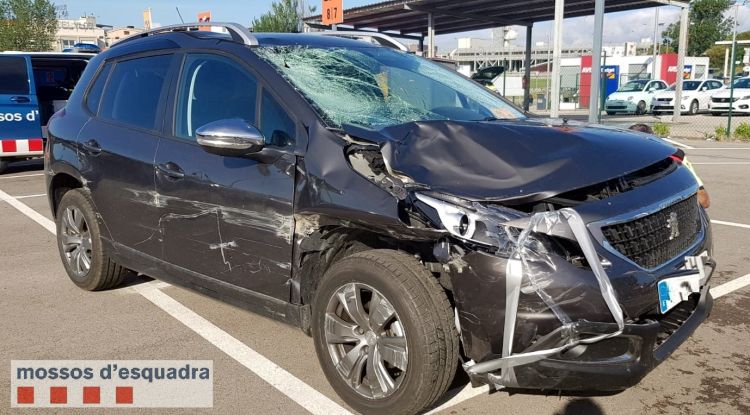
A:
(742, 132)
(661, 129)
(720, 133)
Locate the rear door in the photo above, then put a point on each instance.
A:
(20, 130)
(118, 146)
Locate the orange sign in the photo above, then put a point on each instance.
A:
(333, 12)
(204, 17)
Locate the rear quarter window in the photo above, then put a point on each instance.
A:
(14, 77)
(133, 91)
(94, 96)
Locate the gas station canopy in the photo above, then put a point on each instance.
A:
(409, 17)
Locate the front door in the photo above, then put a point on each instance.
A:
(227, 218)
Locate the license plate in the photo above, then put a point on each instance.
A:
(673, 291)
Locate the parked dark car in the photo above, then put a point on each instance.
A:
(405, 217)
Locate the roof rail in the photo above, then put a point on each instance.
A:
(238, 32)
(381, 39)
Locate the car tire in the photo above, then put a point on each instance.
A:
(421, 319)
(694, 107)
(80, 245)
(640, 109)
(3, 165)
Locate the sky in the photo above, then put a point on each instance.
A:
(619, 27)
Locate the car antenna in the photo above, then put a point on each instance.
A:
(179, 14)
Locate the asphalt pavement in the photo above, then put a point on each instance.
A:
(263, 367)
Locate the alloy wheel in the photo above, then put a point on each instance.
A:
(76, 241)
(366, 340)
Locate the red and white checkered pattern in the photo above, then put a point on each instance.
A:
(22, 147)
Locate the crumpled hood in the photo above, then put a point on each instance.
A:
(501, 160)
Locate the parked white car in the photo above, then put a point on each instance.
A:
(634, 97)
(741, 98)
(696, 97)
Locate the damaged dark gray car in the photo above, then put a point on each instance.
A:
(411, 221)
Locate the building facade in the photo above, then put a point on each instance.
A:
(81, 30)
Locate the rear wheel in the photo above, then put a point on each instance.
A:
(384, 333)
(80, 245)
(3, 165)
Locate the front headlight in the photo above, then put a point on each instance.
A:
(472, 221)
(745, 97)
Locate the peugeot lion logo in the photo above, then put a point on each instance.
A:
(674, 226)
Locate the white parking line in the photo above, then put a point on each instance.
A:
(735, 224)
(31, 213)
(28, 196)
(685, 146)
(720, 148)
(728, 287)
(18, 176)
(464, 395)
(283, 381)
(721, 163)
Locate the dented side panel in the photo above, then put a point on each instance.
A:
(229, 218)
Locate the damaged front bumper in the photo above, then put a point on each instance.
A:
(538, 320)
(611, 364)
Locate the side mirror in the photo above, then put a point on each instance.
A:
(230, 137)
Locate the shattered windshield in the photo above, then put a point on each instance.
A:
(378, 87)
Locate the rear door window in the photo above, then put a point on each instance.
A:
(14, 76)
(213, 88)
(134, 90)
(94, 95)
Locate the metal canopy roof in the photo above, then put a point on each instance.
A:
(451, 16)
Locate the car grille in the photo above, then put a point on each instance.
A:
(651, 241)
(667, 100)
(616, 107)
(721, 99)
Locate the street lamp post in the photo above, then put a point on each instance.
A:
(733, 66)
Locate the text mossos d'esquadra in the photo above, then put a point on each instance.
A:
(112, 371)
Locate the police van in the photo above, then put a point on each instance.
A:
(33, 86)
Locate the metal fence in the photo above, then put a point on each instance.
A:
(697, 121)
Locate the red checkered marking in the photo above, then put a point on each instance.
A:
(29, 146)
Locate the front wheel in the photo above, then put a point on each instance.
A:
(640, 109)
(384, 333)
(694, 107)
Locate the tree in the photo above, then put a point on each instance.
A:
(716, 52)
(27, 25)
(284, 16)
(707, 25)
